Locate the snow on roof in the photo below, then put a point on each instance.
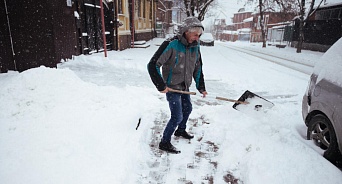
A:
(244, 30)
(280, 23)
(328, 3)
(230, 32)
(244, 12)
(250, 19)
(279, 27)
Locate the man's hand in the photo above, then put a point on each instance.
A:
(204, 93)
(165, 90)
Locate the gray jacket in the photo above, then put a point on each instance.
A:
(179, 60)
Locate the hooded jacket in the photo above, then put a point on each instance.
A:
(179, 60)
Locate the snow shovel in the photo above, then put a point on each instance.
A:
(247, 100)
(254, 100)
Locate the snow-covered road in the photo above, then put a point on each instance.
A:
(304, 67)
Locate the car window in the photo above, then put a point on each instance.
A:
(329, 66)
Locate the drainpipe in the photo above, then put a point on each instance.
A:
(103, 30)
(133, 24)
(116, 24)
(155, 17)
(10, 34)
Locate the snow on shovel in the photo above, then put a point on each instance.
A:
(254, 100)
(245, 102)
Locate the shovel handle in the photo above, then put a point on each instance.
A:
(218, 98)
(230, 100)
(182, 92)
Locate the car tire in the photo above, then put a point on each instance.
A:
(321, 131)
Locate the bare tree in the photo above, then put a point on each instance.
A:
(197, 8)
(288, 6)
(262, 6)
(301, 26)
(263, 32)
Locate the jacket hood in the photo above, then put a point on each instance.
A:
(189, 23)
(186, 25)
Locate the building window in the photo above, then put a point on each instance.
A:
(140, 13)
(151, 11)
(137, 4)
(318, 15)
(323, 15)
(335, 13)
(120, 8)
(144, 8)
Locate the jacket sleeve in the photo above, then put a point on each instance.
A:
(154, 68)
(198, 74)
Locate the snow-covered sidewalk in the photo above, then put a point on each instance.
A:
(77, 124)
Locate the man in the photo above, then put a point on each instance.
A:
(180, 59)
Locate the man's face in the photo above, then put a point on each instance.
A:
(192, 36)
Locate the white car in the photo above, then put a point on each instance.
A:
(207, 39)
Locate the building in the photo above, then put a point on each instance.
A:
(44, 32)
(240, 29)
(323, 28)
(241, 19)
(164, 24)
(138, 18)
(35, 33)
(219, 27)
(270, 19)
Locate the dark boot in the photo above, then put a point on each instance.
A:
(167, 146)
(183, 133)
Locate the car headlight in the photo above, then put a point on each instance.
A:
(310, 88)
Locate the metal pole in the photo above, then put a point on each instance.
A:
(10, 34)
(103, 30)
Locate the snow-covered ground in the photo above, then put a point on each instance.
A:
(78, 123)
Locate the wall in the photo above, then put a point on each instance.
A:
(41, 33)
(6, 56)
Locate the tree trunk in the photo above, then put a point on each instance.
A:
(262, 24)
(301, 29)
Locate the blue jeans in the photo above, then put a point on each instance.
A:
(180, 107)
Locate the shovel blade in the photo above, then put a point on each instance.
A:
(255, 102)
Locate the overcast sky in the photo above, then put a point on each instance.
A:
(225, 10)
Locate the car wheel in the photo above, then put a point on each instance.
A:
(321, 131)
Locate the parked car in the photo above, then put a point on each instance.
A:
(207, 39)
(322, 104)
